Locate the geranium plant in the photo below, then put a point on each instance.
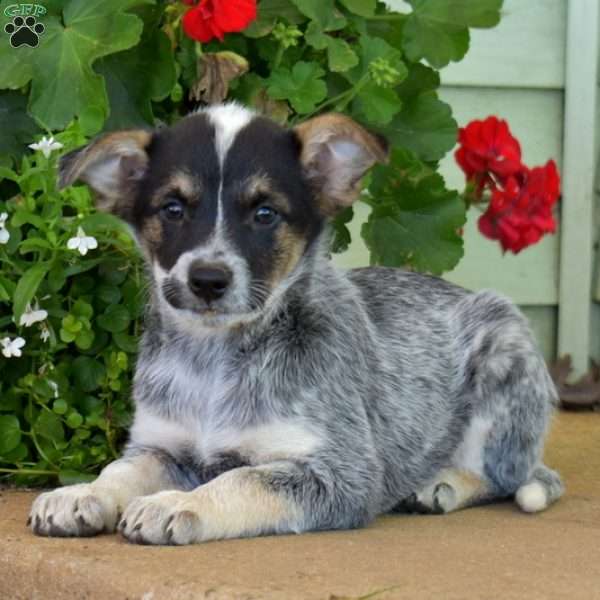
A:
(71, 289)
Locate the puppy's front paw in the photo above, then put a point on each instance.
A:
(165, 518)
(73, 511)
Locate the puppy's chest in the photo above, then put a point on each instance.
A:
(217, 411)
(211, 449)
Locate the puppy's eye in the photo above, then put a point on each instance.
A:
(172, 210)
(265, 215)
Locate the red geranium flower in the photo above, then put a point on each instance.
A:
(521, 212)
(488, 152)
(214, 18)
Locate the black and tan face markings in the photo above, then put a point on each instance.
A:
(262, 169)
(184, 168)
(266, 209)
(179, 196)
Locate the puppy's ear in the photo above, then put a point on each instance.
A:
(336, 153)
(112, 165)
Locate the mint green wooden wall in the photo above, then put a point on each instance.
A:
(519, 71)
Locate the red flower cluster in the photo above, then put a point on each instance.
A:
(520, 211)
(211, 19)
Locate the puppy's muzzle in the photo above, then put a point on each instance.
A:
(209, 282)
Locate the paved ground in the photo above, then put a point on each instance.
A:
(483, 553)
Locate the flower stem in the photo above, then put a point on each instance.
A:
(28, 471)
(346, 97)
(278, 56)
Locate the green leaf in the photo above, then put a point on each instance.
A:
(378, 105)
(16, 455)
(437, 30)
(425, 126)
(56, 278)
(18, 128)
(115, 319)
(315, 36)
(302, 86)
(63, 82)
(10, 433)
(341, 233)
(33, 244)
(271, 10)
(130, 94)
(363, 8)
(74, 420)
(419, 79)
(22, 216)
(127, 343)
(27, 287)
(110, 294)
(84, 339)
(49, 426)
(60, 406)
(322, 11)
(340, 55)
(82, 309)
(88, 373)
(415, 220)
(371, 49)
(114, 271)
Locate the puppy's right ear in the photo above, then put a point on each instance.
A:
(112, 165)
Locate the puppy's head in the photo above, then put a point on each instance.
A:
(225, 203)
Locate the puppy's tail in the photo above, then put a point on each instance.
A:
(541, 489)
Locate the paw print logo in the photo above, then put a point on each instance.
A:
(24, 32)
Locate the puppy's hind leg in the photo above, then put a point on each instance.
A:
(452, 489)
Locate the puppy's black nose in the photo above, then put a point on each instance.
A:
(209, 282)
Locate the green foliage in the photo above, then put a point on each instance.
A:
(75, 37)
(65, 402)
(437, 30)
(414, 219)
(108, 64)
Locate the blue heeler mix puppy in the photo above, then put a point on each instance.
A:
(275, 393)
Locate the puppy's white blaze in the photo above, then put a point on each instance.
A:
(532, 497)
(228, 120)
(469, 455)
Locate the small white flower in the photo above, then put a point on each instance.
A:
(54, 386)
(82, 242)
(29, 317)
(4, 234)
(45, 334)
(12, 348)
(46, 146)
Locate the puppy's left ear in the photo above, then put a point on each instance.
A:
(336, 153)
(112, 165)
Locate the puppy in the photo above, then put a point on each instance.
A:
(275, 393)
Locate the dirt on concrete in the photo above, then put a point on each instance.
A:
(482, 553)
